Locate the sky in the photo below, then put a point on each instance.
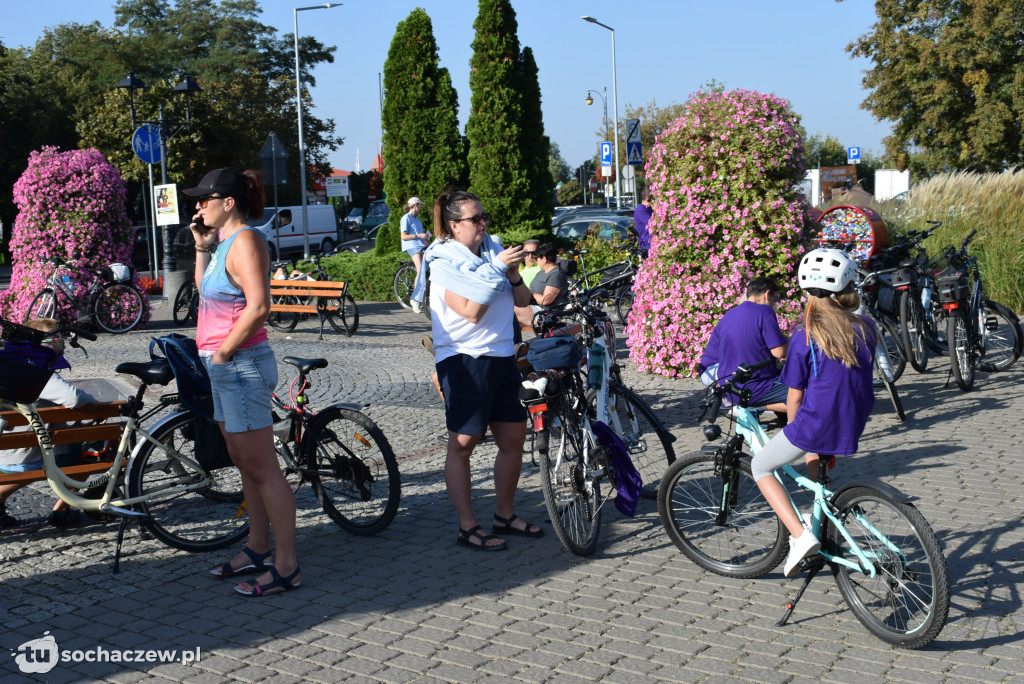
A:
(664, 51)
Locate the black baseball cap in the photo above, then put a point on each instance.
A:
(223, 181)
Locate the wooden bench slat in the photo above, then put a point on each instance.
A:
(59, 414)
(319, 287)
(296, 308)
(38, 475)
(68, 435)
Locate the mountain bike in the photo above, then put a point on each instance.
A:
(186, 303)
(972, 321)
(913, 283)
(115, 305)
(340, 311)
(883, 554)
(616, 280)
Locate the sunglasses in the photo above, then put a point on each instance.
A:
(205, 199)
(530, 253)
(477, 218)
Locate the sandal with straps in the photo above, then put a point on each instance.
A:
(507, 528)
(275, 586)
(477, 531)
(258, 564)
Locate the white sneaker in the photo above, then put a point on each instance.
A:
(416, 307)
(808, 524)
(799, 548)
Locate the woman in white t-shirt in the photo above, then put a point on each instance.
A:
(474, 286)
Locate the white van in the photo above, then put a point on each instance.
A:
(323, 228)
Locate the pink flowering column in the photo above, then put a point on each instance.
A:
(725, 211)
(69, 203)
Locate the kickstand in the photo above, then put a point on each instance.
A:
(121, 525)
(812, 571)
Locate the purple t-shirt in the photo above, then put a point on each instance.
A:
(746, 334)
(837, 401)
(641, 217)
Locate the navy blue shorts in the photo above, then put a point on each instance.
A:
(480, 391)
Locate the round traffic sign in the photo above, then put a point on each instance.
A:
(594, 185)
(146, 143)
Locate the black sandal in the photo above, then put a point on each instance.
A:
(466, 535)
(508, 529)
(258, 564)
(280, 584)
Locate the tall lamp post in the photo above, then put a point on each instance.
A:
(167, 129)
(615, 112)
(298, 108)
(604, 121)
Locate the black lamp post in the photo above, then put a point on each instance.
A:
(167, 129)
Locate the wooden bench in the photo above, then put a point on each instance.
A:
(308, 291)
(61, 435)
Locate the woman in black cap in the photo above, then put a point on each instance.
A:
(232, 267)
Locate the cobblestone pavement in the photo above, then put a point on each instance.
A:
(409, 605)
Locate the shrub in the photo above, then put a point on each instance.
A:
(722, 178)
(70, 205)
(370, 276)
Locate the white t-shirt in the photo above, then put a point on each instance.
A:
(453, 334)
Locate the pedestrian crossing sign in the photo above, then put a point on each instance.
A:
(634, 153)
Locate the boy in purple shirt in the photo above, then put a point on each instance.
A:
(749, 333)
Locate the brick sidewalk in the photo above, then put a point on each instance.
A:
(409, 605)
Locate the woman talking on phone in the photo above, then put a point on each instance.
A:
(474, 286)
(232, 271)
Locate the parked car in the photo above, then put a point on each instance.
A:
(376, 214)
(363, 244)
(323, 228)
(605, 227)
(590, 210)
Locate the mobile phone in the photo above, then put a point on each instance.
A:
(201, 227)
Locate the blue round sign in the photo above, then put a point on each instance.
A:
(146, 143)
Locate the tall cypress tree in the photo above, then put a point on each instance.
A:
(536, 149)
(497, 172)
(422, 145)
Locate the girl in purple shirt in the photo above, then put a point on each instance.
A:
(829, 372)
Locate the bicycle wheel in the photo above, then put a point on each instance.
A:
(1003, 338)
(285, 321)
(183, 302)
(405, 283)
(572, 497)
(624, 303)
(342, 314)
(633, 421)
(118, 307)
(201, 519)
(44, 305)
(962, 357)
(912, 330)
(889, 338)
(749, 541)
(353, 470)
(906, 603)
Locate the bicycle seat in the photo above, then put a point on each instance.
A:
(156, 372)
(305, 365)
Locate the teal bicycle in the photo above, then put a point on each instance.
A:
(884, 555)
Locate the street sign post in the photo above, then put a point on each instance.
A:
(632, 130)
(634, 153)
(853, 155)
(606, 159)
(146, 143)
(274, 165)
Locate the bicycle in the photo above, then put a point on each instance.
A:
(341, 452)
(617, 280)
(888, 350)
(405, 283)
(169, 492)
(913, 283)
(970, 318)
(341, 311)
(186, 303)
(883, 554)
(115, 305)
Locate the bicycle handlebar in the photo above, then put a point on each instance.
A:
(741, 374)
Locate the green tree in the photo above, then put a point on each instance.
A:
(948, 74)
(571, 192)
(557, 166)
(422, 145)
(497, 169)
(536, 152)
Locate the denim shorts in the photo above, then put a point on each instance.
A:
(480, 391)
(242, 388)
(413, 251)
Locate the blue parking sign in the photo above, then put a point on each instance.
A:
(853, 153)
(606, 154)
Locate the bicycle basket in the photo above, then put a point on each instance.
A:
(121, 273)
(904, 278)
(952, 286)
(553, 352)
(25, 368)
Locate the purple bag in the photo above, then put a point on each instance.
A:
(627, 480)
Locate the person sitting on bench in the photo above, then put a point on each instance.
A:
(57, 391)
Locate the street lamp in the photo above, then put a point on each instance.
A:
(615, 111)
(604, 121)
(298, 108)
(166, 129)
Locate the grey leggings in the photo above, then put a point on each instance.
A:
(776, 453)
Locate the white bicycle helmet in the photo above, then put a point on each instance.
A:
(824, 272)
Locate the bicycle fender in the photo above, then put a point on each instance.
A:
(887, 489)
(352, 406)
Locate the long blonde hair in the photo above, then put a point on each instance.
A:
(833, 325)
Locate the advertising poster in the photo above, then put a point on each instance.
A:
(165, 199)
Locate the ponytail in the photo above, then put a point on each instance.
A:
(252, 204)
(448, 207)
